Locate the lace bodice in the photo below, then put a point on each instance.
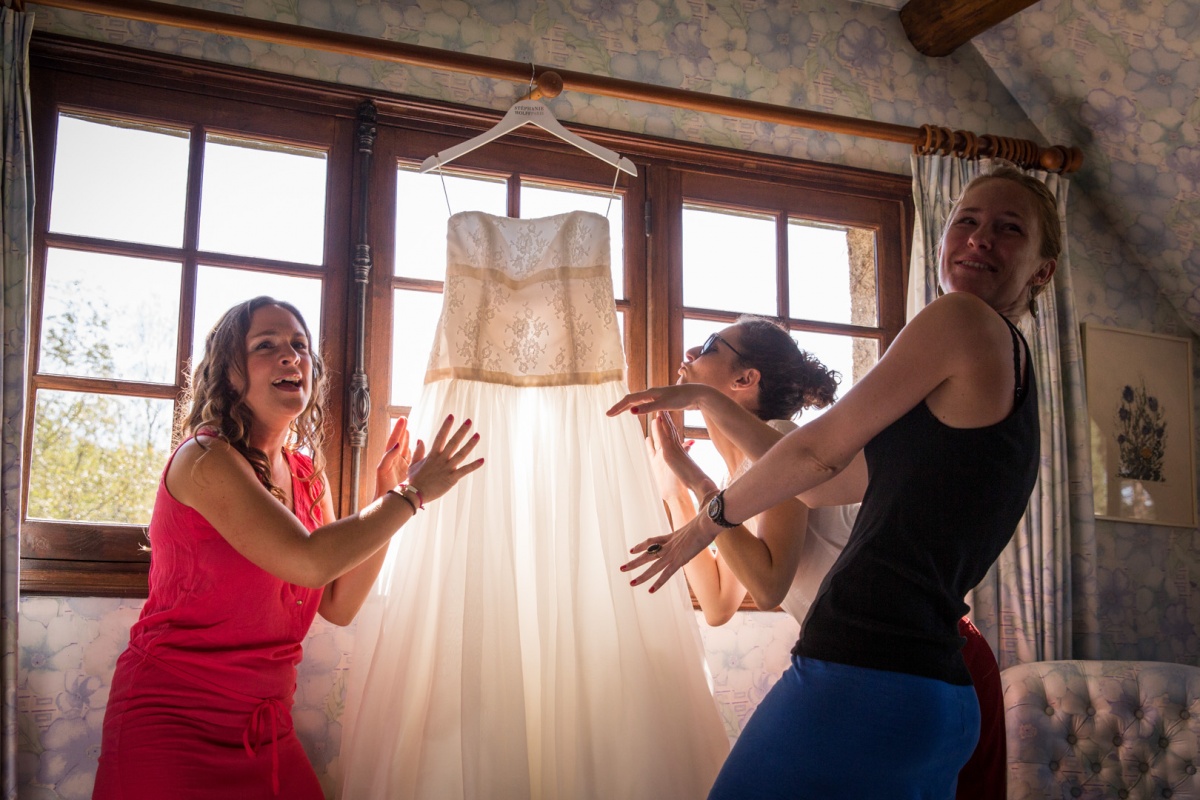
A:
(528, 302)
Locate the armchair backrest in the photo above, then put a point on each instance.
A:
(1102, 729)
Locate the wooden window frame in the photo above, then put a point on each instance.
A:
(77, 559)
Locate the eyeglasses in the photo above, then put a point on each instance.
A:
(710, 344)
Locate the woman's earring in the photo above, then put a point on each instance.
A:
(1033, 309)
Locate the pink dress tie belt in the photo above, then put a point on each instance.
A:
(275, 712)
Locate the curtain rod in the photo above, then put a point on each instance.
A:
(925, 139)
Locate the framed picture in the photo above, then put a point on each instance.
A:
(1139, 389)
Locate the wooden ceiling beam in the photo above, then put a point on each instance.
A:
(939, 27)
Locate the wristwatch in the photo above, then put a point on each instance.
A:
(716, 511)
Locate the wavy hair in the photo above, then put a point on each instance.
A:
(212, 403)
(790, 379)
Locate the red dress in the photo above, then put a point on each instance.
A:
(200, 703)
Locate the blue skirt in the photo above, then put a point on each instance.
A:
(828, 731)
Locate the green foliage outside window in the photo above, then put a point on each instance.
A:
(96, 457)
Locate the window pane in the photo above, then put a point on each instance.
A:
(119, 180)
(218, 289)
(421, 216)
(263, 200)
(93, 327)
(695, 331)
(546, 201)
(97, 458)
(705, 454)
(729, 261)
(414, 320)
(849, 355)
(831, 274)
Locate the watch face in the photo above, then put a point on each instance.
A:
(716, 508)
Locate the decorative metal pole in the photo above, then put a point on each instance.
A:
(359, 389)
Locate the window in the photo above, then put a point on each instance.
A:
(169, 191)
(800, 256)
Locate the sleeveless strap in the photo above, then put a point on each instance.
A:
(1017, 340)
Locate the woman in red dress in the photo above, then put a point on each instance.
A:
(245, 550)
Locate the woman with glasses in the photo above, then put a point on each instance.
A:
(948, 423)
(755, 380)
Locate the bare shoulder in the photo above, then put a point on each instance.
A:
(960, 322)
(958, 308)
(203, 461)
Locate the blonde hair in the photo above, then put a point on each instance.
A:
(1045, 208)
(212, 404)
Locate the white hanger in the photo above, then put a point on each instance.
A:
(523, 113)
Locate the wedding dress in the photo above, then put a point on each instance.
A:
(503, 655)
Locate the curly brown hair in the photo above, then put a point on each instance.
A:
(212, 404)
(790, 379)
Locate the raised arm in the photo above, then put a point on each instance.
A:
(220, 484)
(344, 596)
(762, 561)
(749, 433)
(954, 352)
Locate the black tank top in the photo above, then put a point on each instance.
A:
(940, 505)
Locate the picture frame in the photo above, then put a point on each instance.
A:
(1142, 432)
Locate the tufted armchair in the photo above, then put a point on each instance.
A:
(1102, 729)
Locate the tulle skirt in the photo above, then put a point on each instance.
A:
(503, 654)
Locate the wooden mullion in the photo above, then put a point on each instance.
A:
(71, 383)
(417, 284)
(782, 267)
(708, 315)
(258, 264)
(186, 329)
(90, 244)
(836, 328)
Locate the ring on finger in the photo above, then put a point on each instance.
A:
(654, 548)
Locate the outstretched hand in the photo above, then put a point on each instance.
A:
(393, 467)
(436, 472)
(666, 555)
(669, 455)
(679, 397)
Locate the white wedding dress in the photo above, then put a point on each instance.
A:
(503, 655)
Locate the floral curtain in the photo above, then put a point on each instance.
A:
(1037, 601)
(16, 227)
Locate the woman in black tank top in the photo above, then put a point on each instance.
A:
(948, 422)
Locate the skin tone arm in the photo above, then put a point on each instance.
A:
(750, 435)
(762, 564)
(956, 356)
(220, 484)
(344, 596)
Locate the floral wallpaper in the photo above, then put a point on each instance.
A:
(1119, 78)
(69, 648)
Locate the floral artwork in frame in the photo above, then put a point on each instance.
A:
(1139, 388)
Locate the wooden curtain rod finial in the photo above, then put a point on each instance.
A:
(1061, 159)
(549, 84)
(1022, 152)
